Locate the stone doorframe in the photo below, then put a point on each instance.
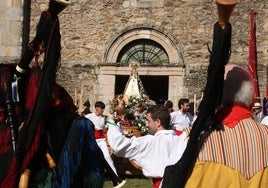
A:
(107, 74)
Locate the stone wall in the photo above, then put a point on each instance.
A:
(11, 30)
(89, 27)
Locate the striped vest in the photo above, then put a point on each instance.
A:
(244, 147)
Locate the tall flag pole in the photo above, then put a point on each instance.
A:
(252, 64)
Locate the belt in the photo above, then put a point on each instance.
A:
(156, 182)
(178, 132)
(99, 134)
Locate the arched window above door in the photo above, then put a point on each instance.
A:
(144, 51)
(141, 43)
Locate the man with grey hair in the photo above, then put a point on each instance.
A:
(237, 155)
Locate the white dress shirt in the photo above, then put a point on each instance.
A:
(180, 121)
(151, 152)
(98, 121)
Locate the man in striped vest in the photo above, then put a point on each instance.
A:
(237, 155)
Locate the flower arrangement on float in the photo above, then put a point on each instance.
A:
(130, 112)
(136, 108)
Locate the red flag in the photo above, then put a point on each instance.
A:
(252, 56)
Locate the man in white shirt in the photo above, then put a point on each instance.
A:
(181, 119)
(99, 120)
(151, 152)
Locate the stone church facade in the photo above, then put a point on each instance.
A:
(100, 38)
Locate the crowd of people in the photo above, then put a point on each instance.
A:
(170, 128)
(227, 150)
(243, 135)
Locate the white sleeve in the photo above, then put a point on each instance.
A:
(172, 118)
(265, 120)
(121, 145)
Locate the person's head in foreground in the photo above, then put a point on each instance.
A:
(157, 118)
(238, 87)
